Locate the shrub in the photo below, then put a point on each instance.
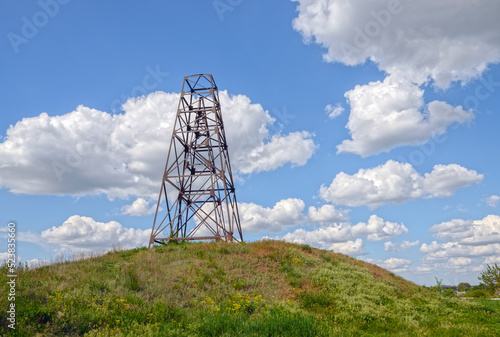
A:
(306, 248)
(476, 293)
(448, 293)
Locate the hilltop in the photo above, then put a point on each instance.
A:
(268, 288)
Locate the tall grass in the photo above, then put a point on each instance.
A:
(215, 289)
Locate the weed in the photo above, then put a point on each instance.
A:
(200, 253)
(267, 288)
(131, 280)
(306, 248)
(318, 300)
(240, 284)
(224, 250)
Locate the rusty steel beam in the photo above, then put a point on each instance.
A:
(197, 189)
(216, 238)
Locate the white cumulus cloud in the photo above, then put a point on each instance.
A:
(37, 263)
(296, 148)
(255, 218)
(392, 113)
(139, 207)
(396, 182)
(326, 213)
(471, 232)
(344, 237)
(399, 247)
(394, 264)
(413, 48)
(401, 37)
(468, 245)
(460, 261)
(87, 151)
(4, 257)
(322, 237)
(376, 229)
(80, 233)
(444, 251)
(353, 248)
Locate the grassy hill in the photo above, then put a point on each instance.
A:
(215, 289)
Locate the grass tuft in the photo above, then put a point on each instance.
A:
(266, 288)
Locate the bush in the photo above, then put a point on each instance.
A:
(476, 294)
(448, 293)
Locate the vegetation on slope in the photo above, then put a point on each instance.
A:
(266, 288)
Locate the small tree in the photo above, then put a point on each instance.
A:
(438, 288)
(463, 286)
(491, 277)
(480, 286)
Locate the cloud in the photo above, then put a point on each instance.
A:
(326, 213)
(453, 230)
(37, 263)
(296, 148)
(460, 261)
(445, 179)
(455, 269)
(83, 234)
(400, 37)
(468, 245)
(413, 48)
(492, 260)
(392, 113)
(444, 251)
(376, 229)
(255, 218)
(396, 182)
(353, 248)
(343, 237)
(493, 201)
(139, 207)
(333, 111)
(469, 232)
(80, 233)
(323, 237)
(88, 151)
(399, 247)
(393, 264)
(4, 257)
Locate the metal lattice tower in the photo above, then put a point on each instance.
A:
(197, 186)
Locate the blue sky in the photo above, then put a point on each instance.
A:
(371, 130)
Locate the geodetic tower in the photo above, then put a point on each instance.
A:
(197, 198)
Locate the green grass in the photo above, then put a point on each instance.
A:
(215, 289)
